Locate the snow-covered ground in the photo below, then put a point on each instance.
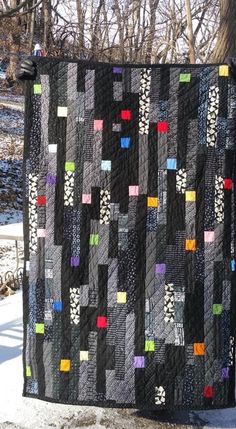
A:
(17, 412)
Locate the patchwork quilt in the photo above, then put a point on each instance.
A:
(129, 226)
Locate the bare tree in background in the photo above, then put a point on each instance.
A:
(137, 31)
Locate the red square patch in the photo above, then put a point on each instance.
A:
(162, 126)
(41, 200)
(126, 115)
(208, 391)
(228, 183)
(102, 322)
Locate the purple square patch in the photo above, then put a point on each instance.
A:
(160, 268)
(117, 69)
(51, 180)
(225, 372)
(74, 261)
(139, 362)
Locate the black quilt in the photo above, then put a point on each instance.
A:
(129, 225)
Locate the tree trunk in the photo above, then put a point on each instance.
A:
(226, 43)
(15, 33)
(47, 24)
(192, 57)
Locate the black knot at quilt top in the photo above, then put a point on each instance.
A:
(129, 226)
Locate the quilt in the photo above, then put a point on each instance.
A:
(129, 291)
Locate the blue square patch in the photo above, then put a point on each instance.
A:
(172, 164)
(57, 306)
(125, 142)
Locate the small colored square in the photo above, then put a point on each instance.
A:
(199, 349)
(232, 265)
(125, 142)
(185, 77)
(74, 261)
(57, 306)
(39, 328)
(160, 268)
(37, 88)
(134, 191)
(223, 70)
(52, 148)
(98, 124)
(41, 232)
(217, 309)
(102, 322)
(139, 361)
(152, 201)
(190, 244)
(117, 70)
(225, 372)
(28, 371)
(106, 165)
(62, 111)
(209, 236)
(86, 198)
(208, 391)
(228, 183)
(149, 346)
(94, 239)
(84, 355)
(126, 115)
(190, 195)
(121, 297)
(65, 365)
(41, 200)
(51, 179)
(70, 166)
(162, 126)
(172, 164)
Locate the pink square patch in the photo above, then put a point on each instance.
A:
(86, 198)
(209, 236)
(133, 191)
(98, 124)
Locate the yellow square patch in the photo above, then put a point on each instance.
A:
(121, 297)
(223, 70)
(190, 196)
(190, 244)
(83, 355)
(65, 365)
(152, 202)
(28, 371)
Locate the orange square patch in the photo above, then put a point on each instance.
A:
(65, 365)
(199, 349)
(152, 202)
(190, 244)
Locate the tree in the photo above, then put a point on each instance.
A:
(226, 43)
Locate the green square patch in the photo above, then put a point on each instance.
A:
(37, 88)
(217, 308)
(70, 166)
(94, 239)
(28, 371)
(149, 345)
(39, 328)
(185, 77)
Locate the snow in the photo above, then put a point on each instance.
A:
(27, 413)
